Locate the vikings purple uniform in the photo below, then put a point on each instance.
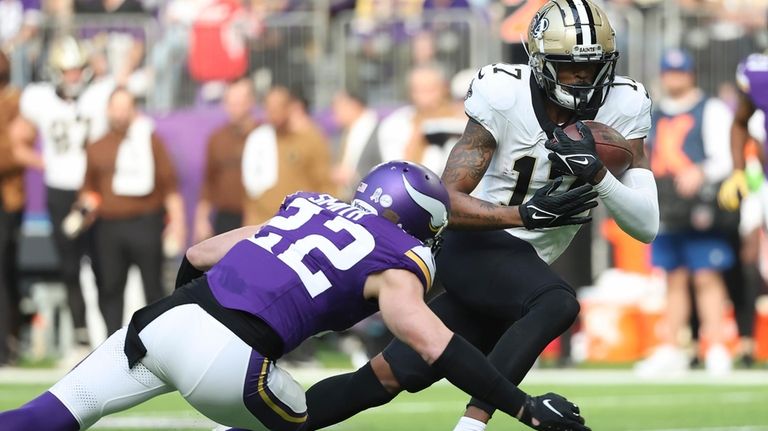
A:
(752, 77)
(305, 270)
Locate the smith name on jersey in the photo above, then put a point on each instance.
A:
(505, 99)
(304, 272)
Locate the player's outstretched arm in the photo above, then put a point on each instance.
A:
(735, 187)
(209, 252)
(467, 164)
(400, 297)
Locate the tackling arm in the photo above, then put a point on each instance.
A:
(399, 293)
(633, 202)
(209, 252)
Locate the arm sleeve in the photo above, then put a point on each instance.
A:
(633, 202)
(718, 164)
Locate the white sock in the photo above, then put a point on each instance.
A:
(469, 424)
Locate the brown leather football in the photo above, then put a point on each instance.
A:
(614, 151)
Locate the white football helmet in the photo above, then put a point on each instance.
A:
(67, 54)
(572, 31)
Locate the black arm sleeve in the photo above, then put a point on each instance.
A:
(467, 369)
(186, 273)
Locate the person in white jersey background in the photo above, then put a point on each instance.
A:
(66, 114)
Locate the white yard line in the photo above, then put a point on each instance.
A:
(537, 376)
(166, 422)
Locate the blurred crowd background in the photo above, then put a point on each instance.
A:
(248, 101)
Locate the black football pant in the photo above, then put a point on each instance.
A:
(500, 296)
(71, 252)
(10, 315)
(120, 244)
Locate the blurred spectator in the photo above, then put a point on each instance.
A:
(514, 28)
(359, 146)
(19, 24)
(287, 154)
(108, 6)
(169, 55)
(217, 50)
(282, 49)
(438, 121)
(689, 155)
(222, 192)
(130, 185)
(11, 209)
(117, 40)
(63, 112)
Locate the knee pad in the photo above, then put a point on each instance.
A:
(409, 369)
(414, 382)
(560, 304)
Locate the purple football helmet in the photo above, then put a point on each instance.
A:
(408, 194)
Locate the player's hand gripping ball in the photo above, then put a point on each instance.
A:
(584, 148)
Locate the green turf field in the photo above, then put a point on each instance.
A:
(608, 406)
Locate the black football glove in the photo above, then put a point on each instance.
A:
(547, 209)
(577, 158)
(552, 412)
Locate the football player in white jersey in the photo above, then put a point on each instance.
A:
(66, 114)
(500, 292)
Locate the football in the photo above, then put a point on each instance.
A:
(614, 151)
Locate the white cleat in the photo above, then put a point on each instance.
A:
(665, 361)
(718, 361)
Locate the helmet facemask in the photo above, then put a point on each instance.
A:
(572, 32)
(575, 97)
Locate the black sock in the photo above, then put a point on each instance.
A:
(337, 398)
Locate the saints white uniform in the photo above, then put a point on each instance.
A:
(65, 126)
(500, 98)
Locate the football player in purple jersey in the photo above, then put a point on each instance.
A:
(752, 79)
(319, 264)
